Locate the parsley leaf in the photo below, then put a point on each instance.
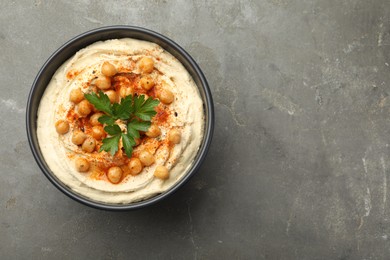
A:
(133, 133)
(128, 144)
(124, 109)
(101, 102)
(105, 119)
(139, 125)
(145, 109)
(113, 129)
(133, 111)
(110, 144)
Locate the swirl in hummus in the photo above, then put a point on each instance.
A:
(179, 122)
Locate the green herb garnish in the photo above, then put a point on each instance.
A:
(134, 111)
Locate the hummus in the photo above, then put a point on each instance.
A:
(184, 114)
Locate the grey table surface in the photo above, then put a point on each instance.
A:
(299, 164)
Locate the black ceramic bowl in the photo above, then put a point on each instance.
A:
(68, 50)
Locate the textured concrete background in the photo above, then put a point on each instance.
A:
(299, 165)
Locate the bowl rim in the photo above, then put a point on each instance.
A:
(31, 115)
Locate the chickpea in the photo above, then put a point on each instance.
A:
(108, 69)
(103, 82)
(89, 145)
(146, 65)
(94, 120)
(84, 108)
(174, 136)
(153, 131)
(125, 91)
(146, 82)
(161, 172)
(114, 174)
(98, 132)
(62, 127)
(76, 95)
(146, 158)
(82, 165)
(111, 95)
(78, 137)
(135, 166)
(165, 96)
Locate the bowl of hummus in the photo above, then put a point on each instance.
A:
(119, 117)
